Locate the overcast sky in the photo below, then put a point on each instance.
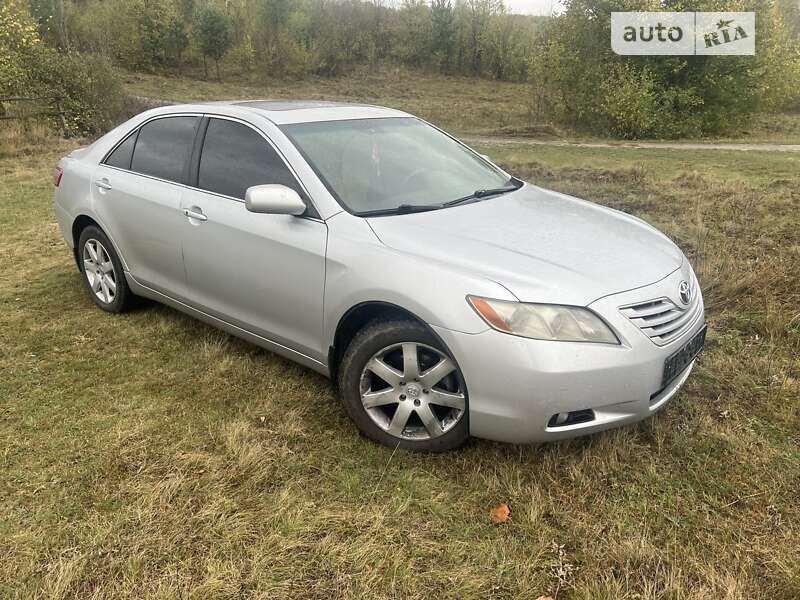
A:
(533, 7)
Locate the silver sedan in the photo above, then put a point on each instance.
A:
(445, 297)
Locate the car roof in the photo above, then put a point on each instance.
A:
(283, 112)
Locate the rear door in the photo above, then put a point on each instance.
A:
(263, 273)
(137, 192)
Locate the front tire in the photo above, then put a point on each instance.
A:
(401, 388)
(102, 271)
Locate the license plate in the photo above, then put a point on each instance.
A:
(676, 363)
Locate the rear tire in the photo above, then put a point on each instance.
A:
(102, 271)
(419, 400)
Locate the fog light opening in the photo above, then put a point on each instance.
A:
(575, 417)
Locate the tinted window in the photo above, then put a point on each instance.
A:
(122, 154)
(163, 147)
(235, 157)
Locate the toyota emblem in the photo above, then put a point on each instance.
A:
(685, 292)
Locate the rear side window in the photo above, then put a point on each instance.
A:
(234, 158)
(122, 154)
(162, 147)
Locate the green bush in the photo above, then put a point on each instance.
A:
(89, 91)
(214, 34)
(140, 34)
(18, 37)
(579, 81)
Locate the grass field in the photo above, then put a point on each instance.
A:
(149, 456)
(461, 105)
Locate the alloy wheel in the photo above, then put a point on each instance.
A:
(99, 271)
(412, 391)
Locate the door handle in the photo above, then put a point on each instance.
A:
(103, 184)
(198, 216)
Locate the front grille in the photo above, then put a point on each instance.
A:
(662, 320)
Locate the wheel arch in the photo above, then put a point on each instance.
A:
(358, 316)
(81, 222)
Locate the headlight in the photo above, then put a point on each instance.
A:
(543, 321)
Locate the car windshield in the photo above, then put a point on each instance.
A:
(381, 165)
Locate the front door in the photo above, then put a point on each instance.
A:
(263, 273)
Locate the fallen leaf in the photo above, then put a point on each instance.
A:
(499, 514)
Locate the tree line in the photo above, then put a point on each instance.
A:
(295, 38)
(67, 48)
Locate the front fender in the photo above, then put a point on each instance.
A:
(359, 269)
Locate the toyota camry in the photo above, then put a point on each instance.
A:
(443, 296)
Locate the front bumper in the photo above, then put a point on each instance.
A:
(517, 385)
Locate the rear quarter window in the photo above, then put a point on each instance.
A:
(122, 154)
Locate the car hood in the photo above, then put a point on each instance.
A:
(542, 246)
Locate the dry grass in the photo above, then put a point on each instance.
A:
(149, 456)
(462, 105)
(459, 104)
(25, 136)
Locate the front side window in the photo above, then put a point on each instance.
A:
(374, 165)
(235, 157)
(163, 146)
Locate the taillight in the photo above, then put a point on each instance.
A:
(58, 172)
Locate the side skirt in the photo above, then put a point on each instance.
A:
(142, 290)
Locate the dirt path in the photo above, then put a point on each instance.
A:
(641, 145)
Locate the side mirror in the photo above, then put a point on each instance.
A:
(274, 199)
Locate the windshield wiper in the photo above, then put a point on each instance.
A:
(495, 191)
(516, 184)
(403, 209)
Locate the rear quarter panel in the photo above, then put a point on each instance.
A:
(73, 195)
